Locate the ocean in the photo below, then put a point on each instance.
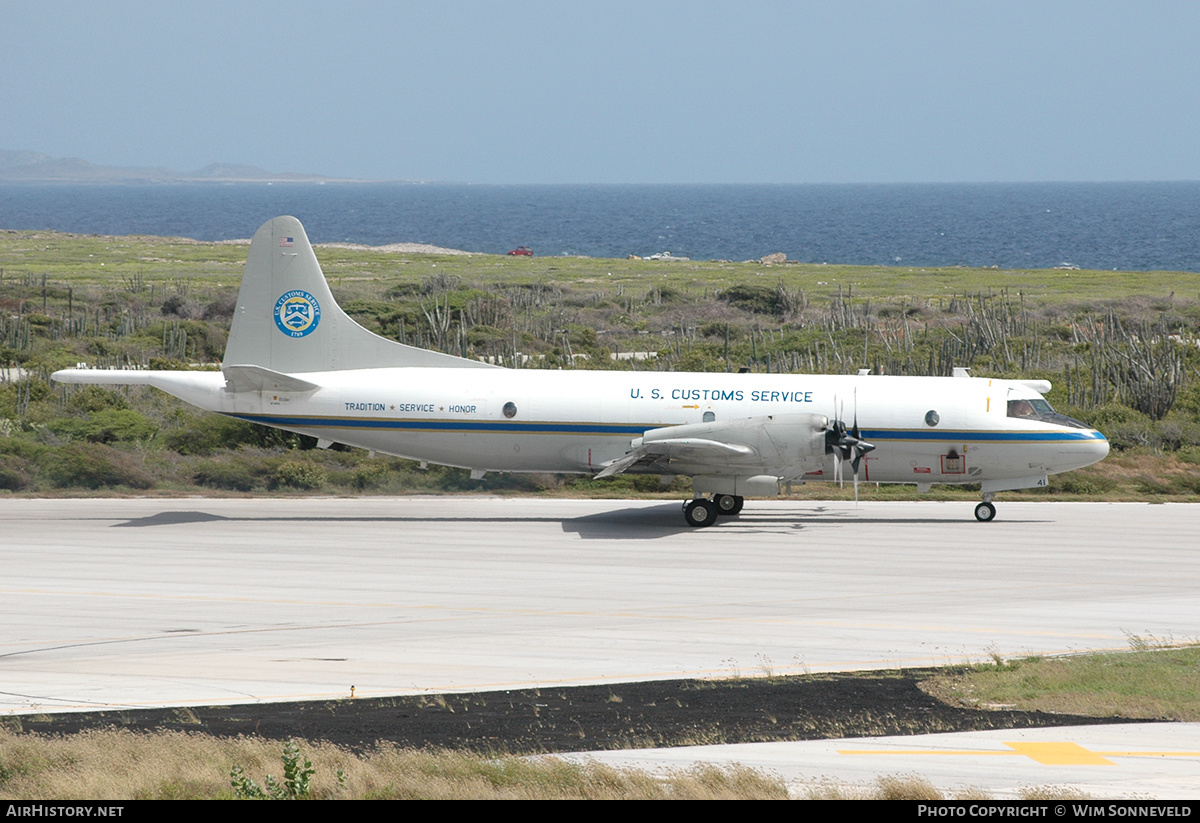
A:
(1127, 226)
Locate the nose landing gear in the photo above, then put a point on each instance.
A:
(985, 512)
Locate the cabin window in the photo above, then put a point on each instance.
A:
(510, 409)
(709, 417)
(932, 418)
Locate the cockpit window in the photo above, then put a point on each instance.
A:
(1032, 409)
(1038, 409)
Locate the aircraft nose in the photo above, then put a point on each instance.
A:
(1087, 449)
(1094, 449)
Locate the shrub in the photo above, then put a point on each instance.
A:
(112, 425)
(106, 426)
(220, 309)
(94, 466)
(230, 475)
(1081, 483)
(203, 434)
(1149, 484)
(297, 775)
(15, 397)
(300, 475)
(756, 298)
(167, 364)
(368, 474)
(90, 399)
(175, 305)
(14, 473)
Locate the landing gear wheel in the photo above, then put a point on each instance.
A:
(985, 512)
(700, 512)
(729, 504)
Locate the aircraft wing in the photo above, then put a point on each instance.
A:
(693, 450)
(773, 444)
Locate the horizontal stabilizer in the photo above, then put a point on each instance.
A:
(104, 377)
(201, 388)
(258, 378)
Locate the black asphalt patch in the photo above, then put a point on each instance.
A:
(661, 713)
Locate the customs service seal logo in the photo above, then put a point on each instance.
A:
(297, 313)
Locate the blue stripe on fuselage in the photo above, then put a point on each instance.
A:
(637, 429)
(1044, 436)
(464, 426)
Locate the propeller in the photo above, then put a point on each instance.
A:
(846, 444)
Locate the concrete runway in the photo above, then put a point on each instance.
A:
(1134, 761)
(136, 603)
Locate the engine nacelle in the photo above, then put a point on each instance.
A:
(779, 445)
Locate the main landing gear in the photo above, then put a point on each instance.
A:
(985, 512)
(704, 512)
(728, 504)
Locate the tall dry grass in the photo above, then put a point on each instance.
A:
(114, 764)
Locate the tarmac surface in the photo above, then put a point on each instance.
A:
(110, 604)
(1119, 762)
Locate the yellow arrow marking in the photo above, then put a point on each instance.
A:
(1060, 754)
(1048, 753)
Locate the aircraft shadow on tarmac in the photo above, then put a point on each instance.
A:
(631, 523)
(663, 521)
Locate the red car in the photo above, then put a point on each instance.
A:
(522, 251)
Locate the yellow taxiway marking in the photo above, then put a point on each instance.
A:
(1047, 753)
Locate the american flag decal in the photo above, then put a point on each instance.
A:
(286, 242)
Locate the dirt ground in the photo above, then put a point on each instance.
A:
(621, 715)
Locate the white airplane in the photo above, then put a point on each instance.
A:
(296, 361)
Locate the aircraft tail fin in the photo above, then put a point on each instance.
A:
(287, 321)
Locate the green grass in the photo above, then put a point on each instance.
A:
(90, 260)
(1148, 683)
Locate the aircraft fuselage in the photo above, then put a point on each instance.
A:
(579, 421)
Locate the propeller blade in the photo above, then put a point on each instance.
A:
(845, 445)
(855, 465)
(859, 449)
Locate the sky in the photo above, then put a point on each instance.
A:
(666, 91)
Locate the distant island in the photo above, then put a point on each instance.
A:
(34, 167)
